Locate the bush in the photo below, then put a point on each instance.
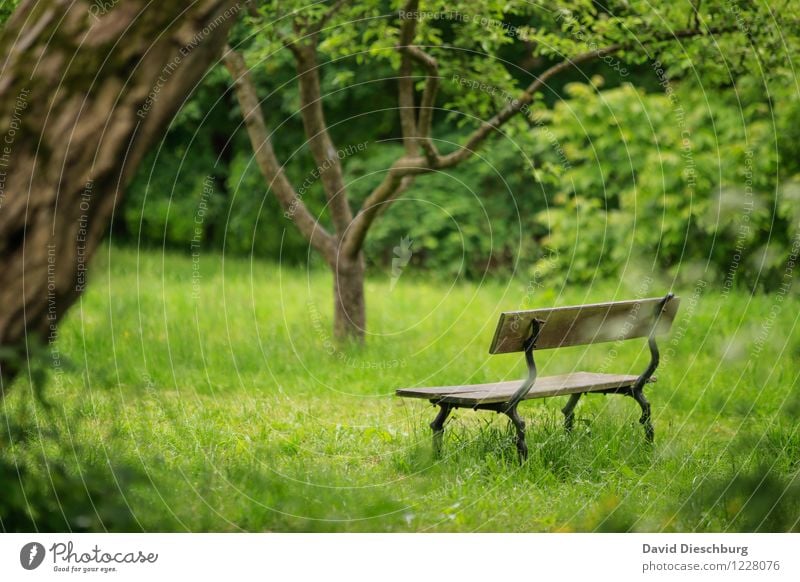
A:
(661, 181)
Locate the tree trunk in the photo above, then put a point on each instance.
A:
(350, 315)
(84, 92)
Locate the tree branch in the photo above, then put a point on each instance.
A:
(289, 43)
(267, 161)
(512, 108)
(319, 139)
(422, 129)
(399, 177)
(410, 166)
(427, 102)
(405, 98)
(405, 101)
(252, 9)
(320, 24)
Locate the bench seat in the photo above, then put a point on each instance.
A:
(497, 392)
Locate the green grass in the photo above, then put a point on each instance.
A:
(235, 411)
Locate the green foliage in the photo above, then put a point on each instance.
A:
(7, 8)
(164, 202)
(642, 161)
(467, 222)
(664, 180)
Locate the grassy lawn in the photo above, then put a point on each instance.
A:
(222, 404)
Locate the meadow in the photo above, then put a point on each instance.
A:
(206, 394)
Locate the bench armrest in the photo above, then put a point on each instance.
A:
(527, 384)
(651, 343)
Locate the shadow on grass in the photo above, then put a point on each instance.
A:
(45, 493)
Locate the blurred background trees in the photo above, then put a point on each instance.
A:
(663, 155)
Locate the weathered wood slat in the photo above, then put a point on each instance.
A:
(582, 324)
(544, 387)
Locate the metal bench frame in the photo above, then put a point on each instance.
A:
(510, 408)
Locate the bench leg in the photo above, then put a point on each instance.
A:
(569, 411)
(519, 425)
(438, 427)
(649, 432)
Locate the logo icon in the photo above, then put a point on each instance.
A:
(402, 255)
(31, 555)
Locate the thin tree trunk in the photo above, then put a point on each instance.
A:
(350, 310)
(83, 95)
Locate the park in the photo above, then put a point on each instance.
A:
(286, 267)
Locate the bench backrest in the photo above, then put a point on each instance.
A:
(583, 324)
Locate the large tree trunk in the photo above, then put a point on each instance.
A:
(83, 95)
(349, 313)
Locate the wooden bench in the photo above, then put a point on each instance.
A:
(526, 331)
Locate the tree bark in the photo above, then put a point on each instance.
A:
(271, 169)
(350, 310)
(83, 95)
(319, 138)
